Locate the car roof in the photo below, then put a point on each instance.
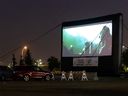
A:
(19, 68)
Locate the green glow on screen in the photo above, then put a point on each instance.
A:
(75, 37)
(76, 42)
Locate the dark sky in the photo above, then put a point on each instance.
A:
(24, 20)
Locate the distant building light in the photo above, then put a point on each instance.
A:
(127, 68)
(40, 62)
(9, 65)
(123, 46)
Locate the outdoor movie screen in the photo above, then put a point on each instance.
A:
(93, 39)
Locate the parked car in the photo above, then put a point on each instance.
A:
(5, 73)
(30, 72)
(124, 74)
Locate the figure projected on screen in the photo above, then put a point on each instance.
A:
(87, 40)
(101, 45)
(105, 44)
(87, 48)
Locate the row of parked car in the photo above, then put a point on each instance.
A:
(24, 72)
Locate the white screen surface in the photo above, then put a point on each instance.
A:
(87, 40)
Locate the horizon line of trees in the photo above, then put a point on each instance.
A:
(28, 60)
(53, 62)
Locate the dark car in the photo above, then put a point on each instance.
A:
(30, 72)
(5, 73)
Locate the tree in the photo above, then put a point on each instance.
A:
(125, 57)
(28, 58)
(21, 61)
(13, 60)
(53, 63)
(124, 66)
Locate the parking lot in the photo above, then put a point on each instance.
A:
(79, 83)
(103, 87)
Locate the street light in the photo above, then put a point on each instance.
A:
(24, 48)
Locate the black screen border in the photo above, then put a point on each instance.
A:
(108, 65)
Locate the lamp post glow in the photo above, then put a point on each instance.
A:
(24, 48)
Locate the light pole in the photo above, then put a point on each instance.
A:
(24, 48)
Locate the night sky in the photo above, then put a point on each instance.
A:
(25, 20)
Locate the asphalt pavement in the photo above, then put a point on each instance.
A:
(105, 86)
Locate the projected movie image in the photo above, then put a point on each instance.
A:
(87, 40)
